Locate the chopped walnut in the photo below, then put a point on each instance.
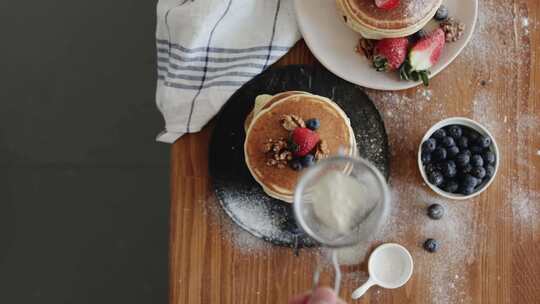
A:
(453, 29)
(285, 155)
(366, 47)
(271, 162)
(322, 150)
(277, 153)
(267, 147)
(274, 145)
(291, 122)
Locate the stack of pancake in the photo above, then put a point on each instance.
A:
(374, 23)
(264, 123)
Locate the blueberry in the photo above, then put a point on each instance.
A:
(466, 169)
(466, 190)
(426, 157)
(439, 134)
(430, 168)
(448, 142)
(467, 151)
(478, 172)
(417, 36)
(296, 165)
(455, 131)
(476, 149)
(435, 178)
(440, 154)
(489, 157)
(469, 181)
(442, 13)
(431, 245)
(435, 211)
(308, 160)
(313, 124)
(472, 135)
(452, 151)
(490, 171)
(462, 142)
(448, 168)
(483, 142)
(451, 186)
(477, 160)
(429, 145)
(462, 159)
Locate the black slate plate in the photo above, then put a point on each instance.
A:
(238, 193)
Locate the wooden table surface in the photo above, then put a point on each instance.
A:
(490, 249)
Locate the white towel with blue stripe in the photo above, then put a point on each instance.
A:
(207, 49)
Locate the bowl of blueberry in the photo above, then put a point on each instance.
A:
(458, 158)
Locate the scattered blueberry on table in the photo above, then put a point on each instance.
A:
(458, 159)
(431, 245)
(435, 211)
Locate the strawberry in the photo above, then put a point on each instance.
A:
(422, 56)
(389, 53)
(304, 140)
(386, 4)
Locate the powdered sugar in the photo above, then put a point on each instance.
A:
(496, 20)
(414, 6)
(525, 211)
(252, 214)
(525, 203)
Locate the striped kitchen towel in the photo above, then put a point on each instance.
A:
(207, 49)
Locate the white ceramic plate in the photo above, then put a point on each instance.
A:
(333, 43)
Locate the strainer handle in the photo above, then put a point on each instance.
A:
(337, 273)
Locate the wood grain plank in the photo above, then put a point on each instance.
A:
(208, 263)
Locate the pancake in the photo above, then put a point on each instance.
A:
(264, 101)
(374, 23)
(335, 130)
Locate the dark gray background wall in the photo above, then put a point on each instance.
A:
(84, 189)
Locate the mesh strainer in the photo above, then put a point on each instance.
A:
(364, 223)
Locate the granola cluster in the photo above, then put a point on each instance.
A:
(291, 122)
(321, 150)
(453, 29)
(366, 46)
(277, 153)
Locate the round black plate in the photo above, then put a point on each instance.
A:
(238, 193)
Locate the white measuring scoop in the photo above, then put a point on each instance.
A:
(389, 266)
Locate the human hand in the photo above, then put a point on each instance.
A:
(321, 295)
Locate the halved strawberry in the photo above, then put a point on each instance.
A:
(389, 53)
(386, 4)
(422, 56)
(303, 140)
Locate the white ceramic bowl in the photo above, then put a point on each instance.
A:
(333, 43)
(466, 122)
